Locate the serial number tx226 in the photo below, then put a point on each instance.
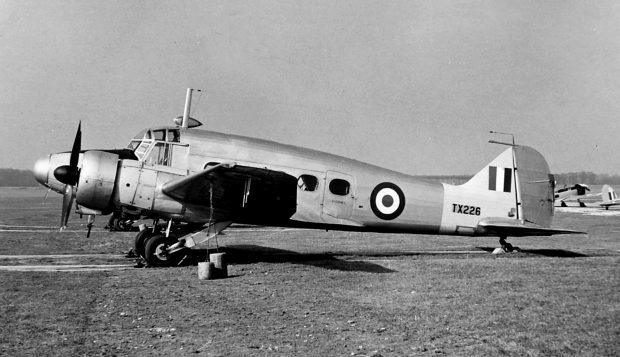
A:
(466, 209)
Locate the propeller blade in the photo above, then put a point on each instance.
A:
(70, 174)
(46, 194)
(77, 146)
(67, 202)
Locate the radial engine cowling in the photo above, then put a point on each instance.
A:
(97, 178)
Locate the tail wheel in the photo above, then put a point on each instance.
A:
(140, 240)
(155, 251)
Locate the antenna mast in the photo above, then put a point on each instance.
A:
(188, 104)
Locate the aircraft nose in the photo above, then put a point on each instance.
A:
(41, 170)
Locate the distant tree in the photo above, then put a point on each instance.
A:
(588, 178)
(17, 178)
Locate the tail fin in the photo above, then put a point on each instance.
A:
(534, 189)
(494, 187)
(608, 194)
(497, 175)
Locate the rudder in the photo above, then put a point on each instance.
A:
(535, 186)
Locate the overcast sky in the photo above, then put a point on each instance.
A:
(413, 86)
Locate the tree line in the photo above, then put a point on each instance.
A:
(587, 177)
(17, 178)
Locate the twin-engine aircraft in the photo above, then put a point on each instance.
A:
(202, 181)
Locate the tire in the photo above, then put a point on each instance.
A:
(508, 248)
(140, 240)
(125, 225)
(155, 255)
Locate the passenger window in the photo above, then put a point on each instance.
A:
(307, 183)
(339, 187)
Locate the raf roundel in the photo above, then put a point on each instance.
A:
(387, 201)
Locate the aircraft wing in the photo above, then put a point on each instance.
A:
(579, 198)
(515, 228)
(240, 193)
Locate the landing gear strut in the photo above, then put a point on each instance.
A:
(507, 247)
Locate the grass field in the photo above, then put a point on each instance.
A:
(316, 293)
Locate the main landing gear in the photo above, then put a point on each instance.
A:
(153, 245)
(169, 246)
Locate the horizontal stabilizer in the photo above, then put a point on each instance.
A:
(505, 227)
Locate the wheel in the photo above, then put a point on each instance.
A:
(118, 224)
(140, 240)
(155, 251)
(125, 225)
(508, 248)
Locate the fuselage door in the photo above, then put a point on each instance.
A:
(338, 197)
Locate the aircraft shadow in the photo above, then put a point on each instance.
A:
(555, 253)
(249, 254)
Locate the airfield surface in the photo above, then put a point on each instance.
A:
(317, 293)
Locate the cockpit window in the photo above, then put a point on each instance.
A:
(161, 152)
(141, 150)
(159, 135)
(133, 144)
(173, 135)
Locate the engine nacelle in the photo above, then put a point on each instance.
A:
(97, 179)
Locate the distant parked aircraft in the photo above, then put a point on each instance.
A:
(609, 197)
(573, 193)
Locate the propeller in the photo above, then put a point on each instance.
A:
(46, 194)
(69, 175)
(67, 202)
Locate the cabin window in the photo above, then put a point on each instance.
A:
(339, 187)
(307, 183)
